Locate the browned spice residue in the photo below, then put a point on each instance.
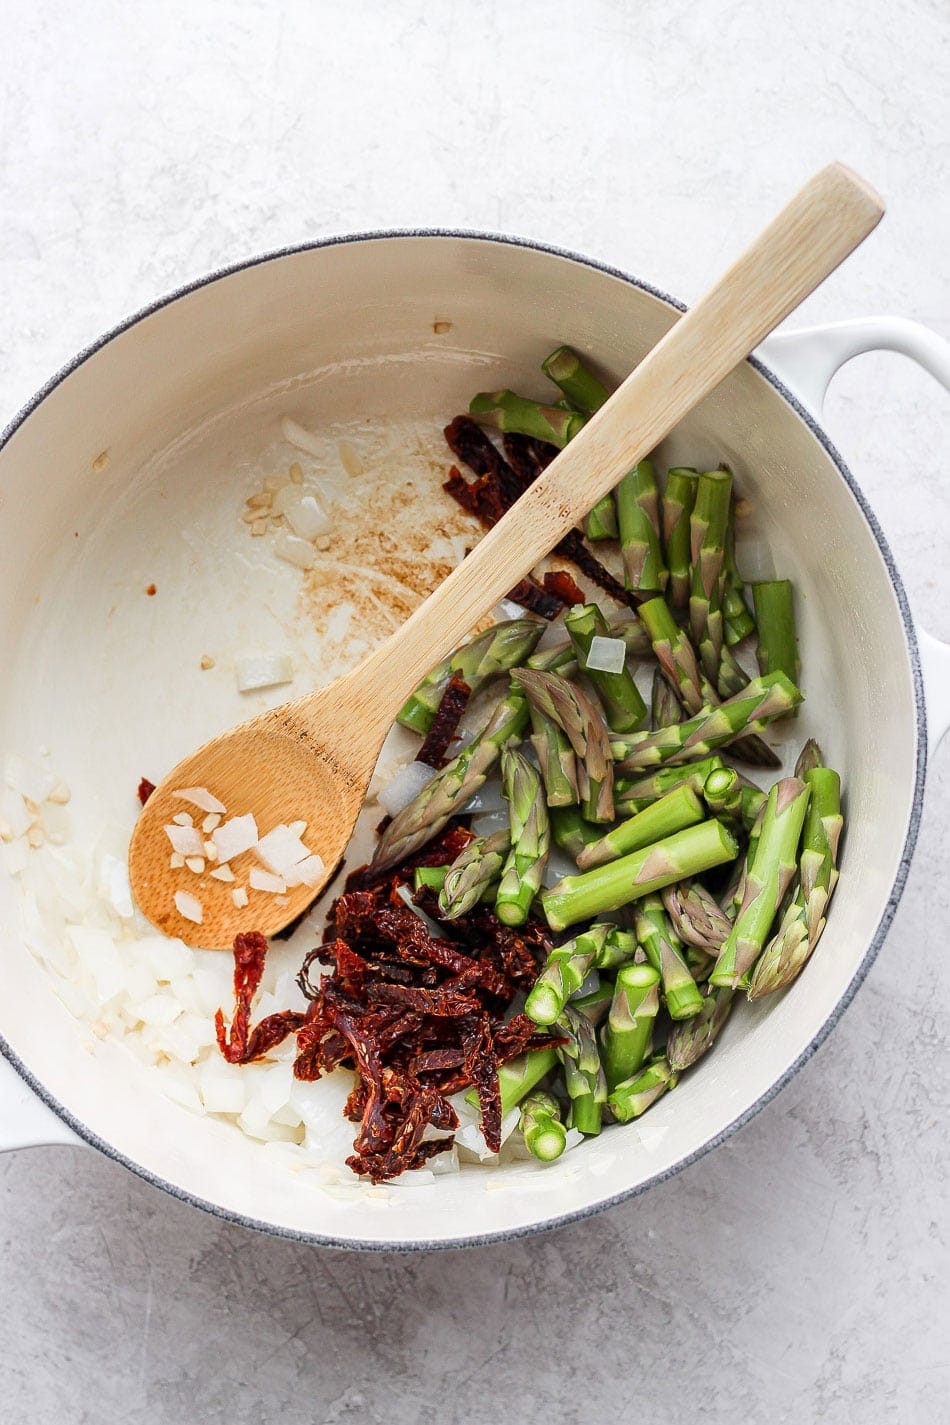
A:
(152, 589)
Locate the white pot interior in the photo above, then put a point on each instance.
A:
(187, 404)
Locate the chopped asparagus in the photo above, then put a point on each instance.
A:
(576, 715)
(583, 1072)
(544, 1134)
(474, 869)
(499, 648)
(679, 808)
(638, 517)
(530, 838)
(677, 506)
(507, 411)
(708, 524)
(691, 1038)
(628, 1033)
(775, 615)
(665, 953)
(624, 707)
(697, 918)
(628, 1100)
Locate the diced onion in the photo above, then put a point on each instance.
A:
(239, 897)
(263, 670)
(189, 907)
(756, 561)
(235, 836)
(307, 518)
(263, 881)
(606, 655)
(186, 840)
(405, 786)
(307, 872)
(25, 777)
(506, 610)
(295, 551)
(222, 873)
(299, 436)
(280, 850)
(200, 797)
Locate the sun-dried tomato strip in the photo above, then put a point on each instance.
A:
(145, 790)
(560, 583)
(444, 729)
(471, 444)
(481, 1066)
(239, 1044)
(536, 599)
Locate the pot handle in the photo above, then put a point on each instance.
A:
(806, 361)
(25, 1120)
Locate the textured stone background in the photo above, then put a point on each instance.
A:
(801, 1272)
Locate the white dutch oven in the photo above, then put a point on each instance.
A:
(178, 397)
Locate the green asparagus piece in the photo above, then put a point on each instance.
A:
(811, 756)
(495, 651)
(583, 1072)
(555, 759)
(607, 888)
(767, 879)
(450, 790)
(638, 518)
(530, 838)
(764, 700)
(595, 1004)
(753, 803)
(560, 658)
(738, 623)
(432, 877)
(700, 964)
(471, 873)
(544, 1134)
(565, 970)
(697, 918)
(507, 411)
(665, 706)
(628, 1033)
(575, 713)
(665, 953)
(732, 676)
(708, 524)
(571, 831)
(635, 1095)
(690, 1039)
(679, 808)
(577, 381)
(722, 793)
(785, 955)
(643, 791)
(678, 498)
(624, 707)
(777, 650)
(517, 1077)
(675, 654)
(601, 523)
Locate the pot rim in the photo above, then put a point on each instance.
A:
(903, 867)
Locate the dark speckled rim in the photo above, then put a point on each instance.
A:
(358, 1244)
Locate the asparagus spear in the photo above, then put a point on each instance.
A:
(628, 1033)
(571, 831)
(643, 791)
(576, 715)
(810, 756)
(555, 759)
(471, 873)
(785, 955)
(607, 888)
(601, 522)
(678, 498)
(679, 808)
(738, 623)
(732, 676)
(764, 700)
(577, 381)
(595, 1004)
(430, 877)
(518, 1076)
(495, 651)
(635, 1095)
(664, 704)
(638, 517)
(507, 411)
(708, 524)
(623, 705)
(752, 805)
(767, 880)
(675, 655)
(665, 953)
(530, 838)
(456, 784)
(775, 615)
(722, 793)
(568, 966)
(544, 1134)
(696, 917)
(690, 1039)
(583, 1072)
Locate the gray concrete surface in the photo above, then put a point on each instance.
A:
(801, 1272)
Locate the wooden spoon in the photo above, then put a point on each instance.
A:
(312, 759)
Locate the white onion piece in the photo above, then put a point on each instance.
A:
(280, 850)
(200, 797)
(299, 436)
(186, 840)
(306, 518)
(13, 811)
(487, 798)
(486, 823)
(572, 1138)
(222, 873)
(263, 670)
(235, 836)
(505, 610)
(15, 855)
(307, 872)
(755, 561)
(559, 865)
(239, 897)
(189, 907)
(25, 777)
(263, 881)
(295, 551)
(606, 655)
(114, 884)
(404, 787)
(405, 895)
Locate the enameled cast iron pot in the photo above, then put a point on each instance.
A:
(346, 327)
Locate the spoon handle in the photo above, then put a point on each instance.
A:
(823, 223)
